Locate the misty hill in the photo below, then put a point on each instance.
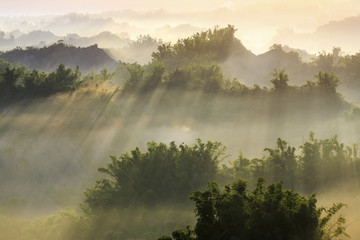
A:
(104, 39)
(344, 33)
(36, 37)
(91, 58)
(252, 69)
(39, 38)
(86, 24)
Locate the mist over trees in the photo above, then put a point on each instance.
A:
(164, 175)
(186, 90)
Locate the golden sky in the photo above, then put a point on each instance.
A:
(256, 19)
(16, 7)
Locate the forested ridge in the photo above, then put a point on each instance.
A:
(208, 60)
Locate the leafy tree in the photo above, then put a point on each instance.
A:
(280, 80)
(9, 77)
(211, 45)
(162, 174)
(282, 163)
(207, 77)
(324, 61)
(311, 163)
(327, 82)
(34, 80)
(267, 212)
(105, 75)
(155, 77)
(136, 78)
(319, 163)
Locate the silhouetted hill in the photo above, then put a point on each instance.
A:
(48, 58)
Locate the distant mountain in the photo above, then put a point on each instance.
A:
(256, 69)
(104, 40)
(48, 58)
(344, 33)
(86, 25)
(35, 38)
(304, 55)
(41, 38)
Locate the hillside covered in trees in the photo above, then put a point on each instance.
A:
(48, 58)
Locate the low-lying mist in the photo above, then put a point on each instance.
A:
(51, 147)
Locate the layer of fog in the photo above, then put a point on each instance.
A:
(50, 148)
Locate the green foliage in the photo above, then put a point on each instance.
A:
(20, 81)
(207, 77)
(162, 174)
(105, 75)
(267, 212)
(324, 61)
(145, 78)
(280, 80)
(319, 164)
(211, 45)
(282, 163)
(144, 41)
(8, 79)
(136, 77)
(327, 82)
(4, 64)
(63, 79)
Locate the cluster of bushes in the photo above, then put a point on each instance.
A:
(315, 165)
(162, 174)
(210, 45)
(267, 212)
(20, 81)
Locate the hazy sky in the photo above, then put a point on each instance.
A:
(34, 7)
(257, 20)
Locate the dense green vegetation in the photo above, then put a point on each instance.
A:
(150, 188)
(17, 82)
(212, 45)
(163, 174)
(166, 174)
(267, 212)
(315, 165)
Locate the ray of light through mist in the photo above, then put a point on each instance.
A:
(108, 80)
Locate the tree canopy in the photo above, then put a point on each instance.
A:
(266, 212)
(164, 173)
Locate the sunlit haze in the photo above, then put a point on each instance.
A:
(179, 119)
(257, 21)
